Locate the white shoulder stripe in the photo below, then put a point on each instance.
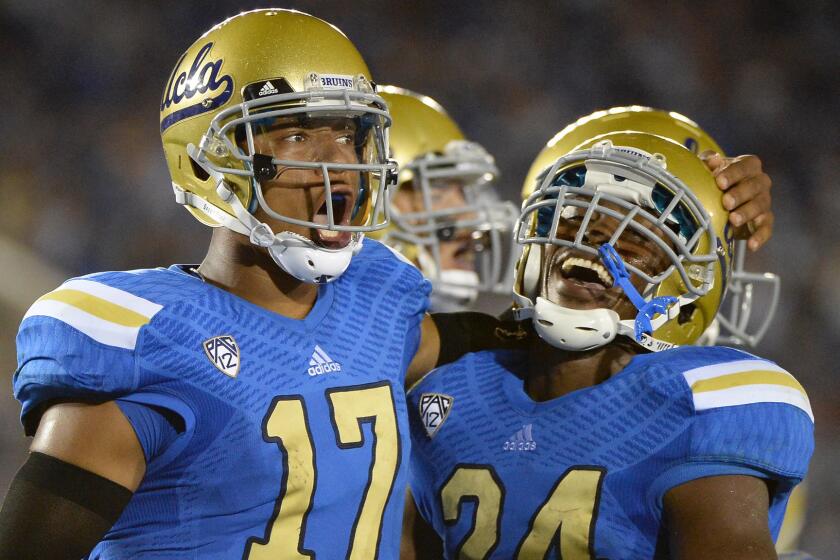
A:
(738, 366)
(98, 329)
(114, 295)
(752, 394)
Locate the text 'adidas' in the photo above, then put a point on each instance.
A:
(320, 363)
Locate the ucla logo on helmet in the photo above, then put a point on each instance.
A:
(203, 75)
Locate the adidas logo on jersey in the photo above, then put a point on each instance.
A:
(522, 440)
(320, 363)
(267, 89)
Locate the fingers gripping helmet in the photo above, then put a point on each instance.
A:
(738, 321)
(432, 151)
(257, 66)
(653, 188)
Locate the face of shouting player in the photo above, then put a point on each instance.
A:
(300, 193)
(579, 280)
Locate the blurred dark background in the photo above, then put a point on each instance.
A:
(84, 186)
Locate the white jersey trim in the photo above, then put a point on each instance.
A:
(717, 370)
(98, 329)
(104, 313)
(114, 295)
(753, 394)
(743, 382)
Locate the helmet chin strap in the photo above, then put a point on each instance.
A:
(575, 330)
(579, 330)
(293, 253)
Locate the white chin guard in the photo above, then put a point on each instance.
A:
(575, 330)
(454, 290)
(309, 263)
(295, 254)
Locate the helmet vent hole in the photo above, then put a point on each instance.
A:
(586, 329)
(312, 264)
(198, 171)
(545, 323)
(686, 314)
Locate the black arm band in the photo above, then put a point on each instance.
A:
(470, 331)
(57, 510)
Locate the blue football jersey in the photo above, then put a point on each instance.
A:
(293, 439)
(499, 475)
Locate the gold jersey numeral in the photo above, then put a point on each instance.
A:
(351, 408)
(287, 425)
(569, 513)
(480, 485)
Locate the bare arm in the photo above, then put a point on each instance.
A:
(86, 462)
(419, 540)
(719, 517)
(427, 353)
(97, 438)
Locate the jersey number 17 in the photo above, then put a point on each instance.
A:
(287, 425)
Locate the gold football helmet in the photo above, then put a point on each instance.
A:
(248, 75)
(652, 188)
(434, 159)
(739, 321)
(669, 124)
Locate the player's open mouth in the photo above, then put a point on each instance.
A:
(342, 205)
(585, 272)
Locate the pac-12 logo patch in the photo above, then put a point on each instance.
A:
(434, 408)
(223, 352)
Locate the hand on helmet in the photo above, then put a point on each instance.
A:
(747, 195)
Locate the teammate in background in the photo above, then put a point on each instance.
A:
(251, 407)
(590, 445)
(446, 215)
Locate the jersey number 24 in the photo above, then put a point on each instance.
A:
(568, 514)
